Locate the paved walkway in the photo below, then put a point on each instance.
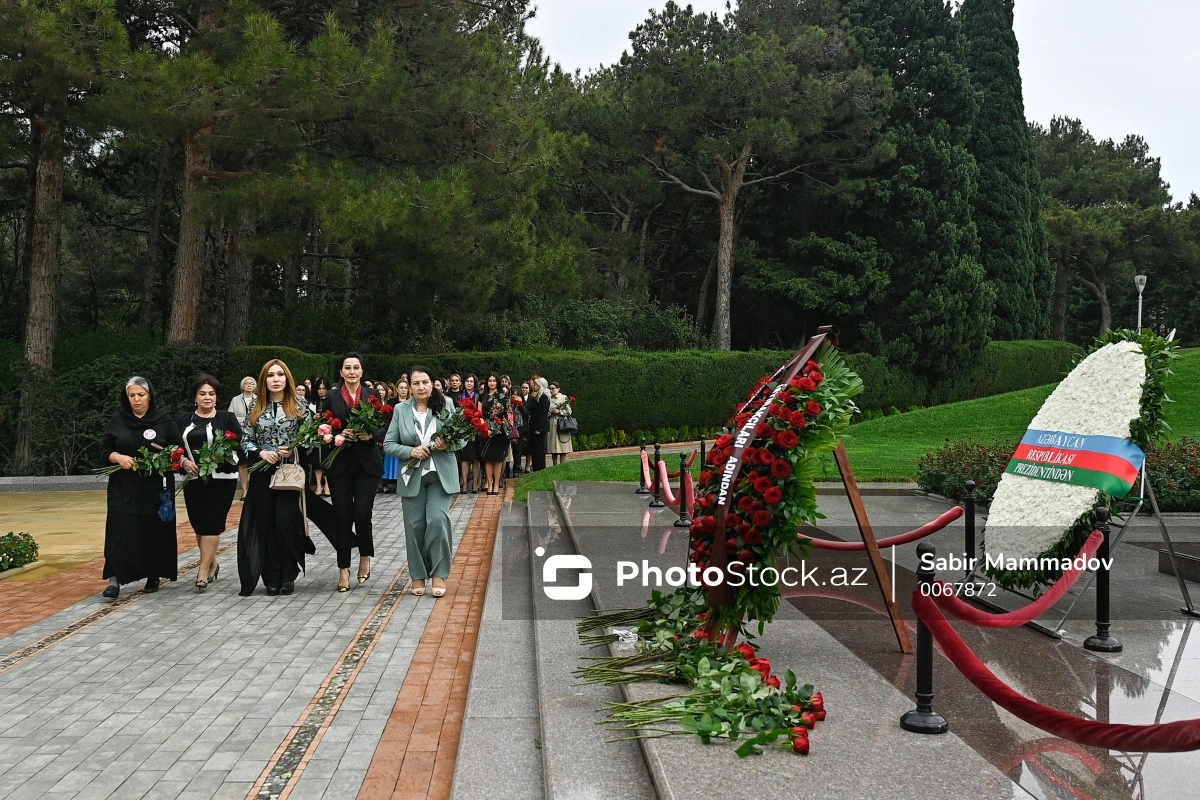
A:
(190, 695)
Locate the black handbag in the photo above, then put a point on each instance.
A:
(568, 425)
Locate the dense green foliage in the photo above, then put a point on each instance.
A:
(1007, 206)
(17, 550)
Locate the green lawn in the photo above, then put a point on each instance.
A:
(887, 449)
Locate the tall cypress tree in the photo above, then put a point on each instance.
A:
(1006, 206)
(937, 315)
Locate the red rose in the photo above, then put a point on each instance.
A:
(700, 634)
(746, 649)
(795, 382)
(781, 468)
(705, 502)
(762, 484)
(798, 710)
(772, 681)
(748, 455)
(762, 665)
(800, 746)
(808, 385)
(743, 529)
(374, 401)
(761, 519)
(753, 537)
(820, 715)
(231, 436)
(773, 496)
(745, 503)
(812, 366)
(746, 557)
(732, 521)
(571, 398)
(808, 719)
(328, 414)
(817, 702)
(787, 439)
(797, 419)
(816, 376)
(706, 476)
(724, 440)
(742, 419)
(336, 424)
(763, 430)
(766, 457)
(813, 408)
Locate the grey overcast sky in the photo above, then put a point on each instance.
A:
(1120, 66)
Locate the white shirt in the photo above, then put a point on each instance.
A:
(425, 431)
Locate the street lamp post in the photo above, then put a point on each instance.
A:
(1140, 282)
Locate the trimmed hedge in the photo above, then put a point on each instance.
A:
(17, 550)
(619, 392)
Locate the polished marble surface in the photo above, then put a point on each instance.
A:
(1155, 679)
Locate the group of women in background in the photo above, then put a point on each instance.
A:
(273, 540)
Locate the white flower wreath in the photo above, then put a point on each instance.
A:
(1100, 397)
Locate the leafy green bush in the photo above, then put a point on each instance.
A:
(17, 550)
(1174, 469)
(945, 470)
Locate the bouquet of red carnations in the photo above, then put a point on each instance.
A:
(150, 462)
(458, 427)
(365, 417)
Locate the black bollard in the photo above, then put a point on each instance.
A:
(657, 501)
(702, 454)
(684, 520)
(969, 527)
(642, 472)
(923, 719)
(1103, 641)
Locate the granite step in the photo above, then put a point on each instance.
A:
(577, 762)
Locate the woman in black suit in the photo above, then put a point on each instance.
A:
(354, 475)
(538, 409)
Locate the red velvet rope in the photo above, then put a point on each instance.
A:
(902, 538)
(646, 471)
(947, 600)
(1168, 737)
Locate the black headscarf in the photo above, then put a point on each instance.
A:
(154, 414)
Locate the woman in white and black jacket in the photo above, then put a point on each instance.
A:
(208, 499)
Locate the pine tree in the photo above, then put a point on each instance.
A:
(938, 312)
(1006, 205)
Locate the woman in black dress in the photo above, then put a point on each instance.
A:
(493, 448)
(469, 454)
(272, 539)
(318, 456)
(538, 408)
(209, 498)
(138, 542)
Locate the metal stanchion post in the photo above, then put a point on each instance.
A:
(657, 501)
(923, 719)
(702, 454)
(684, 520)
(1103, 641)
(641, 471)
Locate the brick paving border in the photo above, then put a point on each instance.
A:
(416, 754)
(28, 602)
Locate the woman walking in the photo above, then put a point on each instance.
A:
(320, 482)
(241, 406)
(425, 491)
(272, 539)
(469, 454)
(538, 409)
(558, 445)
(138, 543)
(354, 475)
(208, 499)
(493, 448)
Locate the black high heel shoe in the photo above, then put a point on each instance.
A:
(213, 578)
(112, 592)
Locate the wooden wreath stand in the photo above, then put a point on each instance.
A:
(720, 596)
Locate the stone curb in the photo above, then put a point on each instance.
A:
(30, 567)
(55, 483)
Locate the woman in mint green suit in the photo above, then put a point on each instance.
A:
(426, 490)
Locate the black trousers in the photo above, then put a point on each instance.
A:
(537, 449)
(353, 496)
(516, 454)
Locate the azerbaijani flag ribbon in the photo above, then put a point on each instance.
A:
(1101, 462)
